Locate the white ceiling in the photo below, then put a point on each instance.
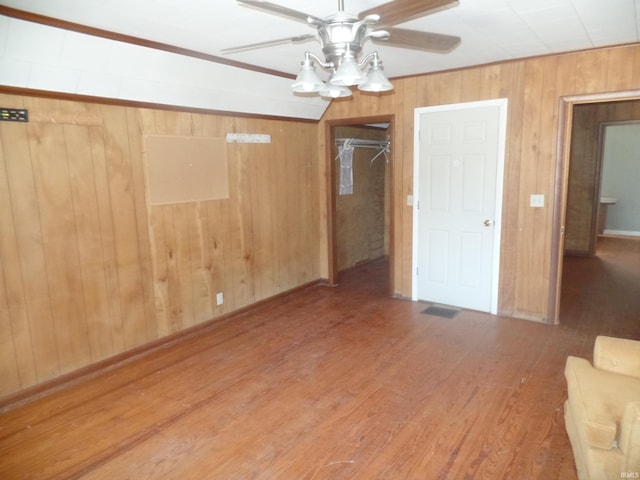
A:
(491, 30)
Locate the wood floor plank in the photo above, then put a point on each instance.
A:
(334, 383)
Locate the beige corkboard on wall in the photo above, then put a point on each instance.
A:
(186, 169)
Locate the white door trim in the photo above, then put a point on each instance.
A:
(502, 137)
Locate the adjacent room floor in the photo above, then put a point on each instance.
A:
(336, 383)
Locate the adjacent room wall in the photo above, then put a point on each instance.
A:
(534, 88)
(621, 177)
(89, 270)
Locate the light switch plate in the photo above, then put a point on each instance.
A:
(536, 200)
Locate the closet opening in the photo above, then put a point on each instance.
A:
(360, 196)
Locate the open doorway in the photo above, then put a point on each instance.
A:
(359, 189)
(578, 198)
(587, 202)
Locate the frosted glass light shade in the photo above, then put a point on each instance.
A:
(376, 81)
(307, 80)
(348, 73)
(335, 91)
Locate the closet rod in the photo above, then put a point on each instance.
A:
(384, 147)
(357, 142)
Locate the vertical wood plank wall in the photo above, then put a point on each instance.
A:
(361, 217)
(534, 88)
(583, 169)
(88, 270)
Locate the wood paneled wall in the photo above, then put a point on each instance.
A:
(88, 270)
(534, 88)
(362, 217)
(583, 169)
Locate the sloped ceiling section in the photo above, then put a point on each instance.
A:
(46, 58)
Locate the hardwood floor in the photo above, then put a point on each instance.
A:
(601, 295)
(335, 383)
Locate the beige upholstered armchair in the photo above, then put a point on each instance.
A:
(602, 412)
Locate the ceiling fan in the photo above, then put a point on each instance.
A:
(342, 36)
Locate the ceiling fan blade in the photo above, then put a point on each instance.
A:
(431, 42)
(268, 43)
(400, 11)
(280, 10)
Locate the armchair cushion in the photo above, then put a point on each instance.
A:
(629, 441)
(618, 355)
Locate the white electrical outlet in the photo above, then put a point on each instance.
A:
(536, 200)
(219, 298)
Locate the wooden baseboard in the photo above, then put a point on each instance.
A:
(50, 386)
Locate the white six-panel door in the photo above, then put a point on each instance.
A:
(459, 158)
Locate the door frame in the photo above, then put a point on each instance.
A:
(331, 190)
(561, 186)
(502, 104)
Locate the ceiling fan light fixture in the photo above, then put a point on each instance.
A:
(342, 36)
(376, 81)
(307, 80)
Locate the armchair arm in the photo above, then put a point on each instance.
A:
(617, 355)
